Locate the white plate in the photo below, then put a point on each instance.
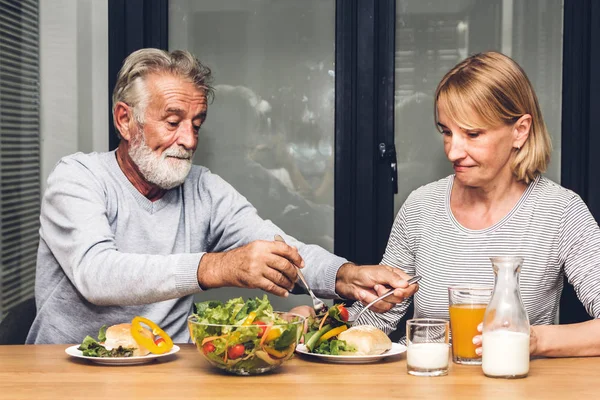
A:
(397, 348)
(73, 352)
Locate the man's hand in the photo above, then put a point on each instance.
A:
(261, 264)
(366, 282)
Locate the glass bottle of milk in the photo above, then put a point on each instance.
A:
(505, 324)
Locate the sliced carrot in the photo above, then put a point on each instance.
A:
(322, 322)
(265, 333)
(210, 339)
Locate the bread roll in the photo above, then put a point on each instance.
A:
(367, 340)
(120, 335)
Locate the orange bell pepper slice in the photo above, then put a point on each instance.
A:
(136, 332)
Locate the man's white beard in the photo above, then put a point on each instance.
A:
(167, 170)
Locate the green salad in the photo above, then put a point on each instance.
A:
(91, 347)
(244, 336)
(323, 330)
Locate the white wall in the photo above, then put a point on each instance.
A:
(73, 79)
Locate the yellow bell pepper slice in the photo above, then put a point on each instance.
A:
(249, 319)
(272, 335)
(136, 332)
(332, 333)
(275, 353)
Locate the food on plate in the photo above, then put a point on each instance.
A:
(157, 345)
(367, 340)
(244, 337)
(331, 334)
(120, 336)
(127, 340)
(323, 331)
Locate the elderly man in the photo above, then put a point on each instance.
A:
(139, 230)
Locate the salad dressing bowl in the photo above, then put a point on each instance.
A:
(256, 342)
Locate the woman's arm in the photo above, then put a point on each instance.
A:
(571, 340)
(579, 241)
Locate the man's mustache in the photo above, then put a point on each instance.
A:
(178, 152)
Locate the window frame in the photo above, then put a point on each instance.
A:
(364, 115)
(580, 166)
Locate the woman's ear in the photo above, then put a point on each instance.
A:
(123, 116)
(521, 131)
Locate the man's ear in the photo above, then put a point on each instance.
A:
(521, 131)
(123, 117)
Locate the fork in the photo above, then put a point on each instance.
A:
(318, 304)
(412, 280)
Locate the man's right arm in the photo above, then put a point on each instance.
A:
(75, 227)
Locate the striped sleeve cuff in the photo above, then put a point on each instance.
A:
(387, 322)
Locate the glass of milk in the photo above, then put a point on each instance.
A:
(428, 348)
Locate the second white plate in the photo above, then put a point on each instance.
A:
(397, 348)
(73, 352)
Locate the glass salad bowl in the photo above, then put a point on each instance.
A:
(252, 345)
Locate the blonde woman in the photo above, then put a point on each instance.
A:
(497, 203)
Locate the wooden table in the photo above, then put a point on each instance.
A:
(46, 372)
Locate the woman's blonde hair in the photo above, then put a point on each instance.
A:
(488, 90)
(131, 89)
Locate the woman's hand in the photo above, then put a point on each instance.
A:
(533, 340)
(367, 282)
(477, 340)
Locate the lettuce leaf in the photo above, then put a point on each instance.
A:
(91, 348)
(334, 347)
(102, 334)
(233, 311)
(287, 337)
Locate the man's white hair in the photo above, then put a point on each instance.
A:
(131, 86)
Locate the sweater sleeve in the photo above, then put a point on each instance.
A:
(579, 240)
(235, 222)
(74, 226)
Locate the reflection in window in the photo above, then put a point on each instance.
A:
(269, 131)
(434, 35)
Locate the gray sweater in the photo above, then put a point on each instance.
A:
(107, 253)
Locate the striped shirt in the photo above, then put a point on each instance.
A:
(550, 226)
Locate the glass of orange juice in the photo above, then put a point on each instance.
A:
(467, 306)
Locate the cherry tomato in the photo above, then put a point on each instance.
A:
(263, 328)
(158, 341)
(343, 313)
(236, 351)
(208, 347)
